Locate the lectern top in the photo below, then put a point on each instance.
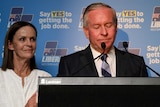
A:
(99, 81)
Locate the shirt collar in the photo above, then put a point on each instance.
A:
(96, 53)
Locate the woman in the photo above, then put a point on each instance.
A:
(19, 74)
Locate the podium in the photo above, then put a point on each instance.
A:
(99, 92)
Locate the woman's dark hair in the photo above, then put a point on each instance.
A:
(8, 54)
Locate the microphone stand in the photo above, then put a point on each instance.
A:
(153, 70)
(125, 45)
(103, 46)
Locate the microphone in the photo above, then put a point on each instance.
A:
(103, 46)
(125, 45)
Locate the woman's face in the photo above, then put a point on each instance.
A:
(24, 43)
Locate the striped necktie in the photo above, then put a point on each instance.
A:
(105, 67)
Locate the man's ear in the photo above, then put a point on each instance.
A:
(10, 45)
(85, 30)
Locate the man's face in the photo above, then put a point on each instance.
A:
(101, 28)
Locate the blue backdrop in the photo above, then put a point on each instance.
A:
(59, 28)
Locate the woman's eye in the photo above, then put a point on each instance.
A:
(33, 39)
(22, 39)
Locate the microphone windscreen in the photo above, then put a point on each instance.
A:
(125, 44)
(103, 45)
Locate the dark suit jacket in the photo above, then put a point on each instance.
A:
(81, 64)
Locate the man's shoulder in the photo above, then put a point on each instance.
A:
(127, 54)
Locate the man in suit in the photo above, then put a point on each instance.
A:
(100, 26)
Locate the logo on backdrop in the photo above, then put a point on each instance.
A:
(52, 54)
(17, 15)
(155, 23)
(81, 19)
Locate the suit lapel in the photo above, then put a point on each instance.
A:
(88, 65)
(119, 62)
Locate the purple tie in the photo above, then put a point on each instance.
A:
(105, 67)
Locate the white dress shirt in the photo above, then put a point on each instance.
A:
(111, 59)
(12, 93)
